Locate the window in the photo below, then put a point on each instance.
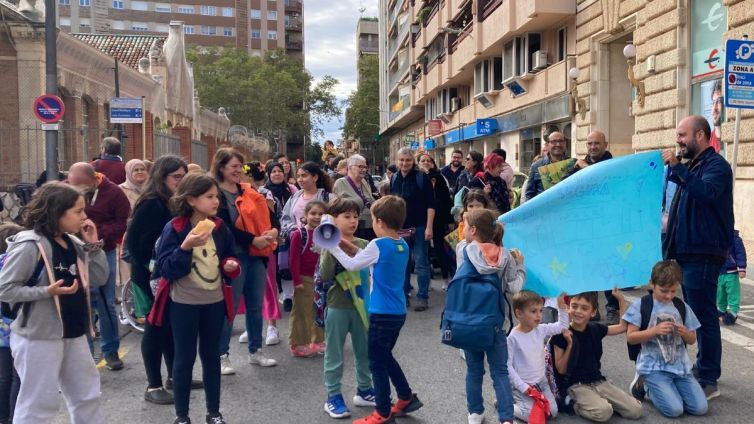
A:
(255, 14)
(118, 4)
(430, 110)
(272, 35)
(209, 10)
(113, 24)
(162, 8)
(228, 12)
(515, 57)
(209, 30)
(186, 10)
(562, 44)
(272, 15)
(228, 31)
(65, 21)
(256, 34)
(85, 22)
(533, 44)
(488, 75)
(139, 26)
(163, 28)
(85, 3)
(188, 29)
(65, 3)
(139, 5)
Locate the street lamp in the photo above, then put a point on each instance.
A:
(579, 103)
(630, 53)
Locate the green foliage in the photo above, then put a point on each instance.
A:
(363, 113)
(266, 94)
(314, 152)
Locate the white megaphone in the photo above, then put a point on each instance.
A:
(327, 234)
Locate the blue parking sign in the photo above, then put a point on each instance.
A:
(739, 74)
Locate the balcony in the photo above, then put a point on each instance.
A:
(293, 24)
(293, 6)
(294, 45)
(397, 108)
(517, 16)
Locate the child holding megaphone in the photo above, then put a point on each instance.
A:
(305, 338)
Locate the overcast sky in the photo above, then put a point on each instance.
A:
(330, 33)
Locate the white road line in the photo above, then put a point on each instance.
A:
(726, 334)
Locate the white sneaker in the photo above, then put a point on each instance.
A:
(462, 354)
(273, 336)
(258, 359)
(226, 368)
(243, 338)
(476, 419)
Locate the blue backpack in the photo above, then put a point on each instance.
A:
(474, 309)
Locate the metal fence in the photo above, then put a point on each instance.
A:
(22, 151)
(200, 153)
(165, 144)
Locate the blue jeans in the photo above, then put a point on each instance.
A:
(192, 325)
(250, 283)
(673, 394)
(103, 301)
(700, 292)
(382, 336)
(497, 357)
(419, 249)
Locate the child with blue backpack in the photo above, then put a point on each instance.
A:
(481, 259)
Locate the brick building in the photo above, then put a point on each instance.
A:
(150, 67)
(678, 67)
(254, 25)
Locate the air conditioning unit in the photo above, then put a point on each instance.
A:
(486, 98)
(455, 104)
(539, 60)
(445, 117)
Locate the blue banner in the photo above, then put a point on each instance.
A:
(597, 229)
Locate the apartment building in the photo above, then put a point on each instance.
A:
(476, 74)
(254, 25)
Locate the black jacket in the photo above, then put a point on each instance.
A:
(443, 201)
(701, 219)
(499, 194)
(147, 222)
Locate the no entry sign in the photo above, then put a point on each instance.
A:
(49, 108)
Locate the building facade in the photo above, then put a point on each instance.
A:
(678, 69)
(475, 75)
(254, 25)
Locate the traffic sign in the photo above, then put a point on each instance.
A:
(125, 110)
(49, 108)
(739, 74)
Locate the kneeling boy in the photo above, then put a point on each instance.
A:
(577, 355)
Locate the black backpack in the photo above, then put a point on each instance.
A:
(646, 313)
(9, 310)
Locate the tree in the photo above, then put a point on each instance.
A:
(314, 152)
(270, 94)
(363, 110)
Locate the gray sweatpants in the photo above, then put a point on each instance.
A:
(46, 366)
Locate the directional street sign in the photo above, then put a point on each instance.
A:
(49, 108)
(739, 74)
(125, 110)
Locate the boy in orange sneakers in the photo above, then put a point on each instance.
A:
(387, 255)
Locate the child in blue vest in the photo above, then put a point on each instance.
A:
(387, 255)
(481, 250)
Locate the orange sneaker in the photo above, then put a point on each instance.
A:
(402, 407)
(318, 348)
(375, 418)
(302, 351)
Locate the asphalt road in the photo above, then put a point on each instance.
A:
(293, 391)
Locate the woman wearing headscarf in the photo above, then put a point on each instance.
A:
(136, 180)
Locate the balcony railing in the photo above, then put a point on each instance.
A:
(293, 25)
(294, 45)
(293, 6)
(403, 103)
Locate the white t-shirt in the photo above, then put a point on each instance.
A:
(526, 354)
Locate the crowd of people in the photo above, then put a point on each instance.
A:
(199, 245)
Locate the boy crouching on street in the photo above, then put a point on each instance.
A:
(577, 354)
(663, 366)
(387, 255)
(342, 317)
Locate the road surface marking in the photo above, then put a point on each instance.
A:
(121, 353)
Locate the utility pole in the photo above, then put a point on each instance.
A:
(51, 86)
(119, 127)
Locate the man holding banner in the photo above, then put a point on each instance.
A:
(556, 145)
(699, 233)
(596, 145)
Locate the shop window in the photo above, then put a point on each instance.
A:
(531, 145)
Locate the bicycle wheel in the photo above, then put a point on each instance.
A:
(128, 308)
